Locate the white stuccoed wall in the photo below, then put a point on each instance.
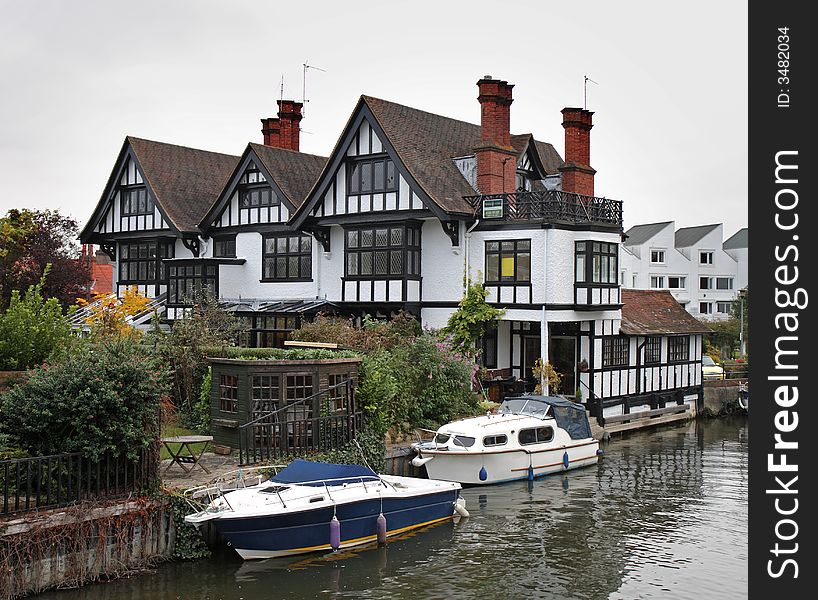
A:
(442, 264)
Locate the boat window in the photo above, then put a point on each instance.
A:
(316, 499)
(524, 406)
(441, 438)
(495, 440)
(536, 435)
(465, 441)
(273, 489)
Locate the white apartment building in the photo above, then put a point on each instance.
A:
(700, 270)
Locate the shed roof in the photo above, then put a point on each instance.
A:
(656, 312)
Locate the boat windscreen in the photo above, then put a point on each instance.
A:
(524, 406)
(316, 473)
(573, 420)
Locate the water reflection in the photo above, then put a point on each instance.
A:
(662, 515)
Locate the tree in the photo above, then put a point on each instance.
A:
(30, 240)
(32, 329)
(108, 315)
(472, 318)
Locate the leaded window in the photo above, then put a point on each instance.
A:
(615, 351)
(508, 261)
(383, 252)
(191, 282)
(254, 191)
(136, 201)
(371, 176)
(224, 246)
(287, 257)
(141, 262)
(596, 262)
(271, 331)
(678, 348)
(653, 350)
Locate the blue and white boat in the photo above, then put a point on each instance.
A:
(313, 507)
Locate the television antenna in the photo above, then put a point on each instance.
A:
(304, 84)
(585, 91)
(281, 93)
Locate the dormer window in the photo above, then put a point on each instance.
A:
(370, 176)
(135, 201)
(254, 191)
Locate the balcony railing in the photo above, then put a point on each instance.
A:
(552, 206)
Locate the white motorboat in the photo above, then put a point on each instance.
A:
(527, 437)
(313, 506)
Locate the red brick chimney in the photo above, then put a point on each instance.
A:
(284, 131)
(577, 174)
(496, 159)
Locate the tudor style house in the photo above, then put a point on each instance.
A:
(406, 209)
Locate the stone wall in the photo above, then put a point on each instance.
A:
(721, 397)
(71, 546)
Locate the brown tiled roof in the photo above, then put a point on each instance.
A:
(186, 181)
(427, 143)
(294, 172)
(656, 312)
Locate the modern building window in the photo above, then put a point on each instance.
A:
(706, 258)
(135, 201)
(724, 307)
(141, 262)
(287, 257)
(224, 246)
(390, 251)
(676, 283)
(724, 283)
(657, 282)
(229, 393)
(189, 283)
(705, 283)
(653, 350)
(596, 262)
(657, 257)
(508, 261)
(678, 348)
(705, 308)
(371, 176)
(615, 351)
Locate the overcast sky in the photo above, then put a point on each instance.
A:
(670, 129)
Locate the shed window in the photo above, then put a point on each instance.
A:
(229, 393)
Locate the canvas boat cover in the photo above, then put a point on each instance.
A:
(315, 473)
(570, 416)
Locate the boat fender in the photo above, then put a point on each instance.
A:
(460, 508)
(600, 452)
(565, 460)
(530, 473)
(419, 461)
(483, 474)
(381, 527)
(335, 533)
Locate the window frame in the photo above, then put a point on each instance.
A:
(537, 439)
(409, 250)
(195, 283)
(229, 403)
(660, 256)
(154, 262)
(709, 285)
(354, 175)
(489, 341)
(726, 303)
(125, 199)
(709, 309)
(590, 250)
(678, 349)
(660, 279)
(220, 239)
(729, 280)
(616, 351)
(653, 350)
(515, 253)
(300, 255)
(709, 255)
(682, 282)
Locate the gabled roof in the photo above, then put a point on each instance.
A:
(656, 312)
(639, 234)
(294, 172)
(687, 236)
(739, 239)
(427, 143)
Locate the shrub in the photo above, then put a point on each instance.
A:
(32, 329)
(374, 334)
(101, 398)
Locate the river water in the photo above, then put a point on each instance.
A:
(663, 515)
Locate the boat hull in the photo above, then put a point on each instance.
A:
(507, 465)
(270, 536)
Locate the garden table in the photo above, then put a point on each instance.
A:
(184, 454)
